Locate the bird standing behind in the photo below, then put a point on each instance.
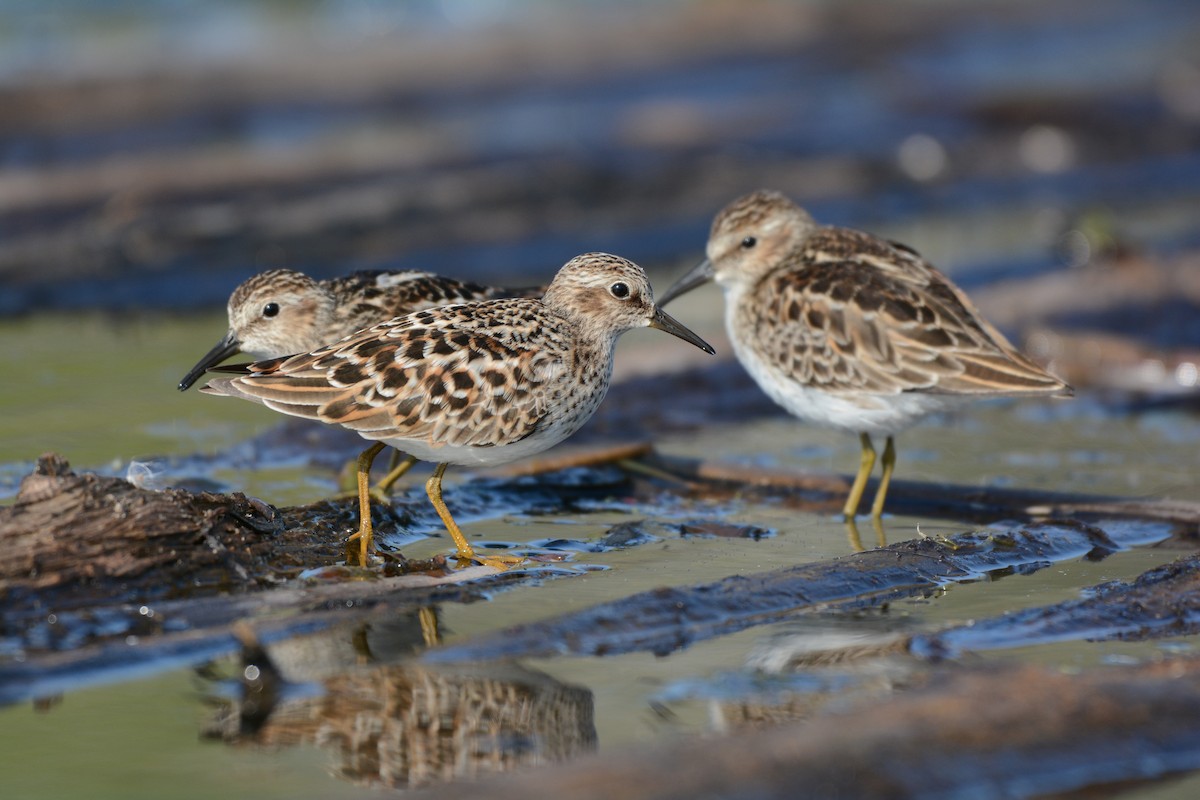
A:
(850, 331)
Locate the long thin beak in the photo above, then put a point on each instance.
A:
(224, 349)
(701, 273)
(665, 322)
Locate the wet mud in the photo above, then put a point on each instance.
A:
(1021, 731)
(269, 560)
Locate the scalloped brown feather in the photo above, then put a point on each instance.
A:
(853, 313)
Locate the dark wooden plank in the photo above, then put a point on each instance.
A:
(1164, 601)
(667, 619)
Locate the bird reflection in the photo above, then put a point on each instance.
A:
(390, 721)
(852, 534)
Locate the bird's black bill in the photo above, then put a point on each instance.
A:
(665, 322)
(699, 274)
(224, 349)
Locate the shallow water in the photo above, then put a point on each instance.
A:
(133, 739)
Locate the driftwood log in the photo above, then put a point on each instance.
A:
(73, 538)
(70, 531)
(1162, 602)
(667, 619)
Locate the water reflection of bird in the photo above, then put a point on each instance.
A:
(397, 723)
(472, 384)
(850, 331)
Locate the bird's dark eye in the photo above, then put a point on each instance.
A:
(270, 309)
(619, 290)
(749, 242)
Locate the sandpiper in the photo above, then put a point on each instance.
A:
(850, 331)
(477, 383)
(282, 312)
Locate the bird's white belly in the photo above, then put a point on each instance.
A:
(476, 456)
(876, 414)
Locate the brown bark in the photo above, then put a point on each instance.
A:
(72, 530)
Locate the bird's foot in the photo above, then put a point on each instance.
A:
(502, 563)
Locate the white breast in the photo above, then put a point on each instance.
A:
(877, 414)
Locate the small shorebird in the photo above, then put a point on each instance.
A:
(282, 312)
(850, 331)
(478, 383)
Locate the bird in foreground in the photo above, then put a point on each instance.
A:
(281, 312)
(850, 331)
(474, 384)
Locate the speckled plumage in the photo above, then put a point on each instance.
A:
(281, 312)
(846, 330)
(476, 383)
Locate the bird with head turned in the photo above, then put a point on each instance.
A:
(480, 383)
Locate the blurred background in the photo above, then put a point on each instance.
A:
(1044, 153)
(154, 154)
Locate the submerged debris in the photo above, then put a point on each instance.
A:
(1162, 602)
(667, 619)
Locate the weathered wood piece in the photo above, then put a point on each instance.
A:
(73, 539)
(100, 579)
(66, 531)
(1162, 602)
(1012, 731)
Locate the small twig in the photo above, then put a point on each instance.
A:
(567, 458)
(937, 499)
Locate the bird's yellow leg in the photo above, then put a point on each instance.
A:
(889, 464)
(396, 470)
(433, 488)
(866, 464)
(365, 531)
